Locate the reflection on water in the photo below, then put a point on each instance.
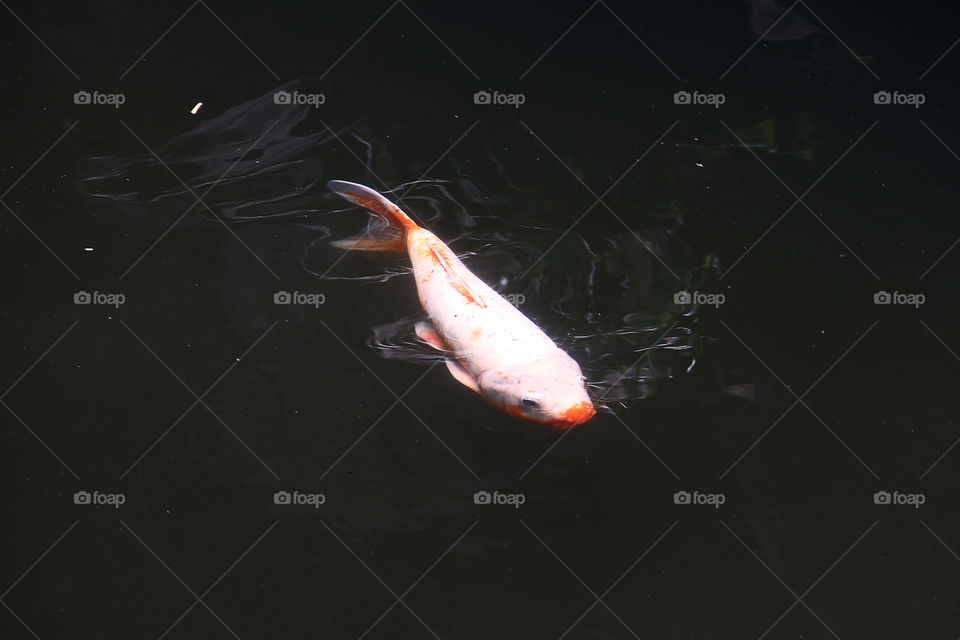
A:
(258, 159)
(605, 294)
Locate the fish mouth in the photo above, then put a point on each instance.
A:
(577, 414)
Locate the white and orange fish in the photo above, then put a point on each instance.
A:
(490, 346)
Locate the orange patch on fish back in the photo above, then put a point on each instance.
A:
(476, 333)
(455, 281)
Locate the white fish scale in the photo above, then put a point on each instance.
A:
(482, 337)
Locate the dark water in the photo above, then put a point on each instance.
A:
(783, 397)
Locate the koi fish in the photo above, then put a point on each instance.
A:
(489, 345)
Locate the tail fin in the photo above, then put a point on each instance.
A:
(389, 237)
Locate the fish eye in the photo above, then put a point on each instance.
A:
(530, 402)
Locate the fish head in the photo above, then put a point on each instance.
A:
(551, 391)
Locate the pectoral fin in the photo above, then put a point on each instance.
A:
(462, 376)
(428, 333)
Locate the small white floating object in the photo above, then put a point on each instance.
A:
(196, 108)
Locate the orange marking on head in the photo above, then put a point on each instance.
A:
(476, 333)
(516, 412)
(578, 413)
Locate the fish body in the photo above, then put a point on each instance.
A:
(490, 345)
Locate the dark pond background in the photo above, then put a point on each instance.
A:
(795, 401)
